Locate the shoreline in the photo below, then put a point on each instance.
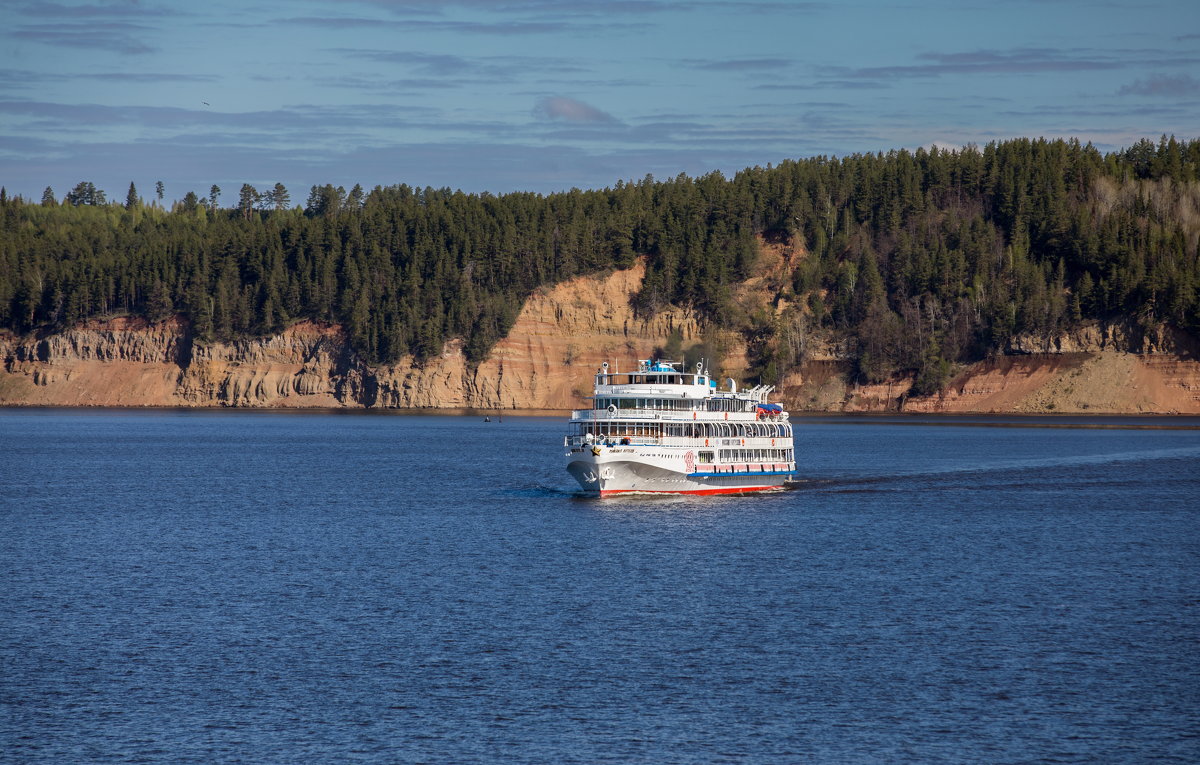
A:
(1115, 420)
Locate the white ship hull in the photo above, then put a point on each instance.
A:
(622, 471)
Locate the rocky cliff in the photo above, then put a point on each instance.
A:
(546, 362)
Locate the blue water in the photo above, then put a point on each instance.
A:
(284, 588)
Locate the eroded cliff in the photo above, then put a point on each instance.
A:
(546, 361)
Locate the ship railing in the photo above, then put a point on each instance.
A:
(613, 440)
(616, 439)
(632, 414)
(651, 389)
(668, 414)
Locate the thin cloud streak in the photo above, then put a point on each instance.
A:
(1016, 61)
(1162, 85)
(59, 11)
(483, 69)
(574, 9)
(739, 65)
(118, 37)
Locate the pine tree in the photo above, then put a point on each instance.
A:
(247, 200)
(280, 197)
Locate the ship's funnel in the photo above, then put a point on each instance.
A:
(732, 385)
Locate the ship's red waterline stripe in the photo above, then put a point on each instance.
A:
(723, 490)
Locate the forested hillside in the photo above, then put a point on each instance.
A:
(913, 260)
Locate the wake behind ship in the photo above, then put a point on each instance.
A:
(661, 429)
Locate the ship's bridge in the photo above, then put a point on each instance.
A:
(658, 379)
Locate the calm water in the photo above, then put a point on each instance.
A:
(285, 588)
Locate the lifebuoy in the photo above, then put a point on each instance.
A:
(612, 408)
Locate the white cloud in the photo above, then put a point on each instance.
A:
(569, 110)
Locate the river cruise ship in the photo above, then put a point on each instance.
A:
(661, 429)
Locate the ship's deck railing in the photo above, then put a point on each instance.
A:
(673, 415)
(759, 442)
(651, 389)
(617, 441)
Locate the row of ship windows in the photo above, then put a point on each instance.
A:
(676, 404)
(753, 455)
(729, 429)
(688, 429)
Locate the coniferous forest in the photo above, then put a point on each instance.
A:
(914, 260)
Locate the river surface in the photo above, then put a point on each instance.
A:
(200, 587)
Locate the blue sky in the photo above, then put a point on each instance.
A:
(542, 95)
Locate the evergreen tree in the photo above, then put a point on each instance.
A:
(247, 200)
(85, 193)
(280, 197)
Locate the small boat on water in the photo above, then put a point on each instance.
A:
(663, 430)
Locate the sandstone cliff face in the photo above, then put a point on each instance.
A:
(121, 362)
(1124, 337)
(307, 365)
(546, 362)
(129, 362)
(561, 337)
(1077, 382)
(559, 340)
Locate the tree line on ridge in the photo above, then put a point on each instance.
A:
(912, 260)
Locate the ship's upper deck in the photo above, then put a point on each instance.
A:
(661, 379)
(668, 380)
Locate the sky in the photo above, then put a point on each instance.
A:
(546, 95)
